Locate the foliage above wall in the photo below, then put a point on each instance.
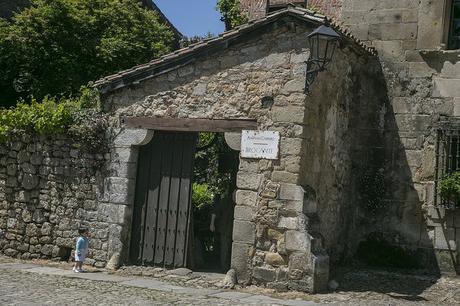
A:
(55, 46)
(231, 13)
(78, 118)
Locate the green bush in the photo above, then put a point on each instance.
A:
(449, 187)
(202, 195)
(76, 117)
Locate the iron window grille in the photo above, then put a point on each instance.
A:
(447, 156)
(454, 28)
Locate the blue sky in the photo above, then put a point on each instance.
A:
(192, 17)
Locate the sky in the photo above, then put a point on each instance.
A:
(192, 17)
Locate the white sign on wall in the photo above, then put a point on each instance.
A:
(260, 144)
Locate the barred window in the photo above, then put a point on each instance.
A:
(454, 27)
(447, 157)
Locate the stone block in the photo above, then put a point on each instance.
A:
(121, 198)
(244, 231)
(444, 238)
(270, 190)
(390, 50)
(233, 140)
(244, 213)
(300, 261)
(275, 60)
(274, 259)
(265, 274)
(300, 58)
(30, 181)
(276, 235)
(290, 146)
(113, 213)
(456, 107)
(246, 197)
(360, 31)
(124, 170)
(297, 241)
(284, 177)
(294, 206)
(446, 88)
(291, 192)
(241, 253)
(430, 25)
(125, 154)
(119, 185)
(293, 86)
(248, 180)
(290, 223)
(320, 273)
(450, 70)
(303, 285)
(291, 113)
(414, 158)
(292, 163)
(249, 165)
(393, 31)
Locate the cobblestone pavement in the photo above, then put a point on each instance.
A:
(28, 284)
(47, 283)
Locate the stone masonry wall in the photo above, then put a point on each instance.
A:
(48, 189)
(423, 83)
(273, 242)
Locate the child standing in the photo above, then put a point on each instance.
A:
(81, 249)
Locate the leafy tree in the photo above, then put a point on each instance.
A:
(231, 12)
(55, 46)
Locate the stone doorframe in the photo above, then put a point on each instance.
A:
(120, 186)
(119, 190)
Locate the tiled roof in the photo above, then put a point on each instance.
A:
(184, 56)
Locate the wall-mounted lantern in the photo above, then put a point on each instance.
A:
(322, 41)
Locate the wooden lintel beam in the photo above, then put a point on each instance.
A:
(189, 125)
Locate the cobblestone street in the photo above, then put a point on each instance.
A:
(48, 283)
(26, 284)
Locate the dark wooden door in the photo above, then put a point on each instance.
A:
(162, 206)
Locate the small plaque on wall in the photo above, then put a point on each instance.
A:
(260, 144)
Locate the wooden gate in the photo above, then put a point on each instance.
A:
(162, 206)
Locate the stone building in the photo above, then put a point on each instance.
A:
(360, 154)
(418, 46)
(281, 235)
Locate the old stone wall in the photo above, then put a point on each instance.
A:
(49, 188)
(274, 240)
(423, 84)
(344, 144)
